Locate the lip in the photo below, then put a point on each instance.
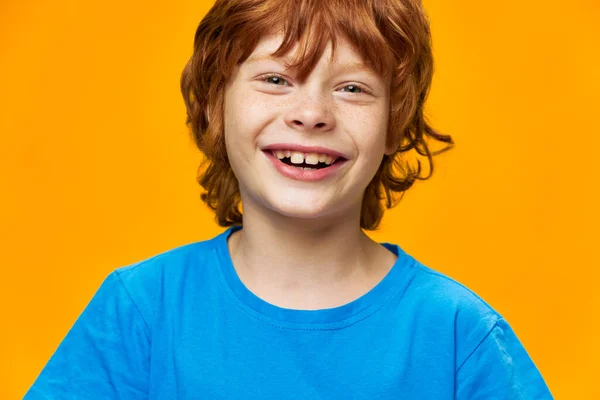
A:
(305, 149)
(301, 174)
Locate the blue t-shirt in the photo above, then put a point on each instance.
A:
(182, 325)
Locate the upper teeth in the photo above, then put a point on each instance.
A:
(310, 158)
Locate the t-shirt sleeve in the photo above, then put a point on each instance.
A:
(105, 355)
(499, 368)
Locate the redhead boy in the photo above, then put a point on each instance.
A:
(305, 110)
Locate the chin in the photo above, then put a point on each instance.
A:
(301, 207)
(299, 210)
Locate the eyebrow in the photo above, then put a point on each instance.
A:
(354, 67)
(344, 68)
(265, 57)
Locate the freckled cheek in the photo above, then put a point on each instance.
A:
(368, 127)
(235, 130)
(238, 117)
(245, 119)
(249, 112)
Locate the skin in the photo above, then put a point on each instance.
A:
(301, 245)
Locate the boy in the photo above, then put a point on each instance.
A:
(303, 109)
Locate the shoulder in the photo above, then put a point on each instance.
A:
(447, 308)
(441, 291)
(162, 282)
(168, 264)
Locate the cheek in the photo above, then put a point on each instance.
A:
(237, 122)
(233, 114)
(245, 114)
(368, 127)
(234, 131)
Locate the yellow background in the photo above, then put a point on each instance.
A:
(97, 170)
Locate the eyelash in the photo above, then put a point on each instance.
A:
(363, 90)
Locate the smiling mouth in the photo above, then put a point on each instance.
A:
(306, 161)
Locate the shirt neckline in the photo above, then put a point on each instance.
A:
(330, 318)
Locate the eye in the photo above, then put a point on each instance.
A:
(353, 89)
(274, 79)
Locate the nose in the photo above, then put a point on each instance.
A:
(311, 114)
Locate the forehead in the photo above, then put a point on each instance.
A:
(343, 55)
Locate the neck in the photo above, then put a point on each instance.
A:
(289, 260)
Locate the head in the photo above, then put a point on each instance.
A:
(348, 76)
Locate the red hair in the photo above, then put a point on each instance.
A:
(393, 38)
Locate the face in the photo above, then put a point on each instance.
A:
(305, 149)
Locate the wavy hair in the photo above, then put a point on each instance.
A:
(393, 38)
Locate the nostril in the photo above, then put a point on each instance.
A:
(320, 125)
(296, 122)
